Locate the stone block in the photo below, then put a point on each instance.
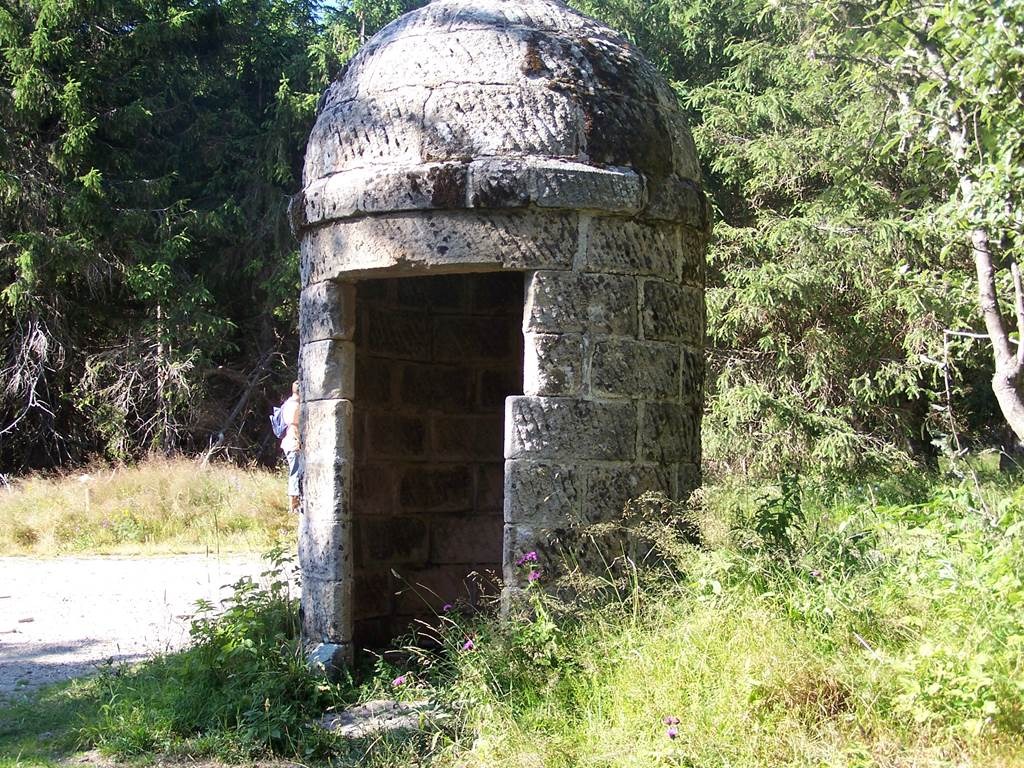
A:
(327, 310)
(468, 437)
(552, 364)
(325, 548)
(440, 241)
(546, 541)
(373, 381)
(539, 493)
(437, 387)
(395, 435)
(403, 335)
(326, 430)
(500, 121)
(388, 540)
(471, 540)
(326, 489)
(327, 611)
(628, 368)
(563, 301)
(673, 312)
(490, 487)
(460, 339)
(441, 59)
(436, 488)
(330, 659)
(693, 373)
(693, 245)
(564, 184)
(670, 432)
(327, 370)
(374, 594)
(494, 385)
(610, 487)
(375, 488)
(679, 200)
(626, 246)
(562, 427)
(498, 183)
(411, 188)
(378, 127)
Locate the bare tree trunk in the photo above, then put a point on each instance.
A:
(1006, 383)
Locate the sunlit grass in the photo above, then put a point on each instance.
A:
(156, 507)
(882, 630)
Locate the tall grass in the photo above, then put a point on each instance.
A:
(158, 506)
(882, 625)
(787, 625)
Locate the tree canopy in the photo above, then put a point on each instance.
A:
(860, 157)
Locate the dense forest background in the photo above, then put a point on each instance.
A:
(861, 158)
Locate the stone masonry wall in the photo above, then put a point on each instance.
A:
(614, 373)
(435, 359)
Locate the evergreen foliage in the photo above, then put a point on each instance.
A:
(149, 277)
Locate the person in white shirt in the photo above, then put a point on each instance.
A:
(292, 447)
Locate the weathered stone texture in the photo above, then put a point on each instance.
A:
(325, 548)
(669, 432)
(628, 368)
(673, 312)
(481, 121)
(327, 488)
(565, 301)
(540, 493)
(327, 370)
(631, 247)
(437, 240)
(692, 366)
(326, 430)
(562, 427)
(327, 311)
(326, 617)
(553, 364)
(492, 413)
(610, 487)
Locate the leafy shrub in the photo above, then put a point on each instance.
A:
(242, 688)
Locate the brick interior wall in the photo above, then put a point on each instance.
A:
(435, 359)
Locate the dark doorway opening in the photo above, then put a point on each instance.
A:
(435, 359)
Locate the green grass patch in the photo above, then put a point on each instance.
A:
(43, 729)
(159, 506)
(784, 625)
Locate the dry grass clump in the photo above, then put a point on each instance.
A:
(157, 506)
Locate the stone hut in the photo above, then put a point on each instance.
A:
(502, 315)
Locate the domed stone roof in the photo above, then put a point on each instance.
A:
(499, 104)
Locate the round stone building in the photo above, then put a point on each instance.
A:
(502, 315)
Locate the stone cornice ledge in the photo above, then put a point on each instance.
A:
(495, 183)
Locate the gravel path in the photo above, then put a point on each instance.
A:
(60, 618)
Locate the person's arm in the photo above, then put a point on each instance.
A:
(293, 422)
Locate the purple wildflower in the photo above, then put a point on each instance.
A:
(399, 681)
(533, 576)
(468, 645)
(529, 557)
(672, 732)
(446, 607)
(670, 720)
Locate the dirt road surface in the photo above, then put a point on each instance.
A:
(64, 617)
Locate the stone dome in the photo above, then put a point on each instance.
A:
(468, 104)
